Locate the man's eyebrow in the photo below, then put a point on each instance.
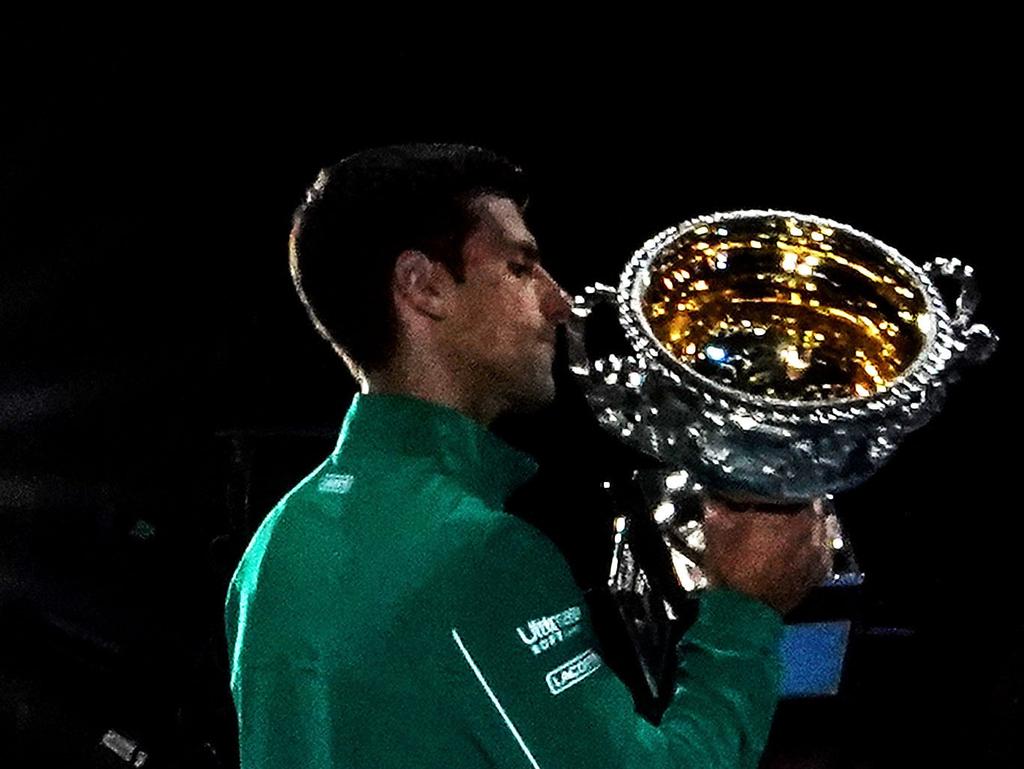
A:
(528, 247)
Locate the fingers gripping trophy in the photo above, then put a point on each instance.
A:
(773, 360)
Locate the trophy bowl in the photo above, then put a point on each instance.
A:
(776, 356)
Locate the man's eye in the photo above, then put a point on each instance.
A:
(520, 269)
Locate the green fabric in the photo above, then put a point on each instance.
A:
(388, 613)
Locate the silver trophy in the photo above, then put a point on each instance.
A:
(772, 357)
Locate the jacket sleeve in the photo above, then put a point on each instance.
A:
(534, 691)
(287, 708)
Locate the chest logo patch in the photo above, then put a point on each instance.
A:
(573, 671)
(335, 483)
(544, 632)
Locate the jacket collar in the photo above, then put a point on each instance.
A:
(460, 446)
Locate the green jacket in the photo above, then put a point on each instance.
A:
(388, 613)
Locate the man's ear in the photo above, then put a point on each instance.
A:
(422, 283)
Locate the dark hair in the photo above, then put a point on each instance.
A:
(363, 211)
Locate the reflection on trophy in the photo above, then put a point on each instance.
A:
(771, 358)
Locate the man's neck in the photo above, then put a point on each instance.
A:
(420, 384)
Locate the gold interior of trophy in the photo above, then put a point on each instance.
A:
(786, 309)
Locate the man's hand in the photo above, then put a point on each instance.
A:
(774, 557)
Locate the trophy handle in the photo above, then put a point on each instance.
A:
(611, 384)
(974, 342)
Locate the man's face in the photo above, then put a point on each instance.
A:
(506, 314)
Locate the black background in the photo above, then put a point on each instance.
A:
(147, 316)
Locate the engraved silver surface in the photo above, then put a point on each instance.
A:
(757, 437)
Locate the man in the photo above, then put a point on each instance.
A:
(387, 612)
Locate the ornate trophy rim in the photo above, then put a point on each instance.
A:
(909, 388)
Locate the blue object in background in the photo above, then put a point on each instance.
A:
(812, 658)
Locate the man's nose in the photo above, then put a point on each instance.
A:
(559, 304)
